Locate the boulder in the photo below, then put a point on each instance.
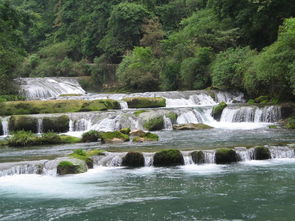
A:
(139, 133)
(26, 123)
(90, 136)
(145, 102)
(168, 158)
(71, 167)
(125, 131)
(225, 156)
(217, 110)
(261, 153)
(56, 124)
(156, 123)
(191, 127)
(198, 157)
(133, 159)
(146, 137)
(113, 137)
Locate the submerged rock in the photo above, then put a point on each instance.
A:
(168, 158)
(198, 157)
(225, 156)
(261, 153)
(133, 159)
(191, 127)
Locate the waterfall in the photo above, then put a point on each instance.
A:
(109, 159)
(251, 114)
(5, 127)
(39, 125)
(245, 154)
(44, 88)
(229, 98)
(281, 152)
(123, 105)
(148, 159)
(34, 167)
(187, 157)
(189, 117)
(167, 123)
(209, 156)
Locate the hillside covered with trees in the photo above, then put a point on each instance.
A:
(145, 45)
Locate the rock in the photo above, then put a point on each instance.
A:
(198, 157)
(26, 123)
(145, 102)
(90, 136)
(146, 137)
(168, 158)
(225, 156)
(113, 137)
(153, 124)
(71, 167)
(133, 159)
(287, 110)
(139, 133)
(191, 127)
(261, 153)
(125, 131)
(56, 124)
(217, 110)
(1, 129)
(172, 116)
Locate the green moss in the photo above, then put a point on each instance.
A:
(137, 113)
(56, 106)
(5, 98)
(125, 131)
(153, 124)
(90, 136)
(225, 156)
(191, 127)
(133, 159)
(273, 126)
(56, 124)
(168, 158)
(107, 137)
(48, 138)
(86, 156)
(251, 101)
(26, 123)
(146, 137)
(65, 139)
(261, 153)
(172, 116)
(198, 157)
(70, 95)
(262, 100)
(217, 110)
(145, 102)
(68, 167)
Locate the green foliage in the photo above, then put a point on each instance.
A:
(137, 113)
(146, 137)
(69, 167)
(289, 123)
(5, 98)
(125, 131)
(145, 102)
(22, 138)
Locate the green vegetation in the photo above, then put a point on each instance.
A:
(69, 167)
(116, 136)
(217, 110)
(146, 137)
(90, 136)
(86, 156)
(168, 158)
(145, 102)
(27, 138)
(198, 157)
(26, 123)
(56, 124)
(152, 45)
(172, 116)
(133, 159)
(55, 106)
(125, 131)
(5, 98)
(261, 153)
(137, 113)
(153, 124)
(191, 127)
(289, 123)
(225, 156)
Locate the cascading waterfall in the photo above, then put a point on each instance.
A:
(44, 88)
(5, 127)
(123, 105)
(251, 114)
(111, 159)
(167, 123)
(39, 125)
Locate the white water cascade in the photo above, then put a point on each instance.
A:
(167, 123)
(44, 88)
(5, 125)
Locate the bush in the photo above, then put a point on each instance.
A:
(168, 158)
(290, 123)
(49, 138)
(133, 159)
(225, 156)
(153, 124)
(90, 136)
(145, 102)
(56, 124)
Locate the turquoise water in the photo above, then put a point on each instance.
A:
(254, 190)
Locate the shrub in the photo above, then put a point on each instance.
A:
(168, 158)
(107, 137)
(125, 131)
(49, 138)
(22, 138)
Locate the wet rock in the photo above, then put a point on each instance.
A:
(191, 127)
(225, 156)
(168, 158)
(133, 159)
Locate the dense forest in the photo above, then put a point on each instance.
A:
(149, 45)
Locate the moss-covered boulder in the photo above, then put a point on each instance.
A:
(56, 124)
(288, 110)
(261, 153)
(225, 156)
(133, 159)
(1, 128)
(125, 131)
(25, 123)
(217, 110)
(146, 137)
(191, 127)
(168, 158)
(198, 157)
(137, 133)
(113, 137)
(156, 123)
(90, 136)
(145, 102)
(172, 116)
(71, 167)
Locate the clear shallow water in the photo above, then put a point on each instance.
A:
(204, 139)
(254, 190)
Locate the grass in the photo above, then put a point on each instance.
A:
(56, 106)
